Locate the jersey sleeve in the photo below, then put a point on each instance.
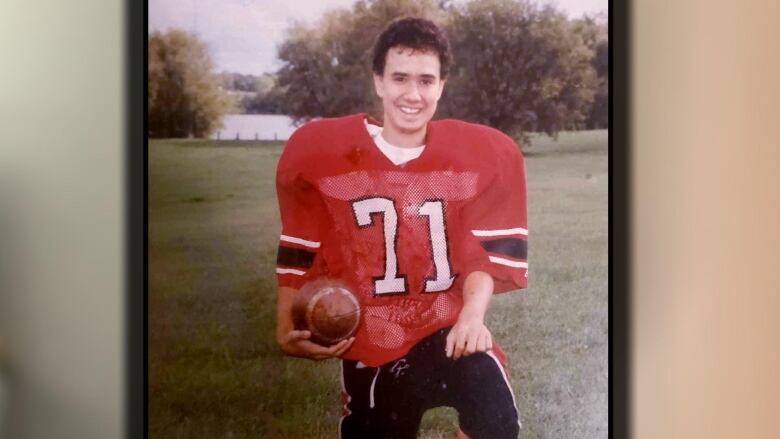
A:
(302, 215)
(497, 224)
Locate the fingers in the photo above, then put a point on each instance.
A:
(456, 341)
(477, 341)
(460, 344)
(298, 335)
(342, 346)
(336, 350)
(315, 351)
(300, 346)
(464, 341)
(485, 341)
(481, 344)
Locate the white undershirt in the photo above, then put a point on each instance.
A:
(394, 153)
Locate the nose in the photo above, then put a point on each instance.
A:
(412, 92)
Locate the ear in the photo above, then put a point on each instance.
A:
(441, 89)
(379, 86)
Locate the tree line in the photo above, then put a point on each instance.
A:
(254, 94)
(519, 67)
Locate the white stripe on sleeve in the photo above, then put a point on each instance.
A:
(300, 241)
(290, 271)
(508, 262)
(501, 232)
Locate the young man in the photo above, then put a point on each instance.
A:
(424, 220)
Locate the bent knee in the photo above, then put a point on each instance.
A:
(486, 406)
(496, 426)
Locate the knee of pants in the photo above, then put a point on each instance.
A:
(379, 426)
(494, 426)
(486, 405)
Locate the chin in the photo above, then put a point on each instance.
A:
(415, 124)
(412, 128)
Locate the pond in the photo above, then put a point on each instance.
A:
(255, 126)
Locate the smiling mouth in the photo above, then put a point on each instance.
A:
(408, 110)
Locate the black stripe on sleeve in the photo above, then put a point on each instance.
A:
(513, 247)
(294, 257)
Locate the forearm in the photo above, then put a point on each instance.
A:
(477, 292)
(469, 334)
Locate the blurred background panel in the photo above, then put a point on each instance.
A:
(61, 219)
(706, 147)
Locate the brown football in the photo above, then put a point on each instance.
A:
(328, 309)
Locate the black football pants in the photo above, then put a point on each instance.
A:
(389, 401)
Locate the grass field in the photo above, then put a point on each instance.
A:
(215, 370)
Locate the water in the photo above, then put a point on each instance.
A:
(255, 126)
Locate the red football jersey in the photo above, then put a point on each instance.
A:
(403, 237)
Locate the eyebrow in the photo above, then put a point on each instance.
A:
(404, 75)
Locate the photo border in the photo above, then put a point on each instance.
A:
(620, 166)
(136, 216)
(135, 229)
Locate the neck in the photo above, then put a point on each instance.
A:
(404, 140)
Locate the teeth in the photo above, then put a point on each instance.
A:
(408, 110)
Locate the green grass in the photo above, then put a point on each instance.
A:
(215, 370)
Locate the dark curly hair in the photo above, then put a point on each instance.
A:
(413, 33)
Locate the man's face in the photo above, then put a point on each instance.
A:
(410, 88)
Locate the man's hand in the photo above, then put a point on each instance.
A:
(296, 343)
(467, 337)
(470, 334)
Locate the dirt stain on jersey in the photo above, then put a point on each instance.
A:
(356, 155)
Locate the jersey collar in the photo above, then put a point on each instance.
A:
(365, 139)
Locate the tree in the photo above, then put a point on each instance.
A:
(593, 31)
(521, 68)
(598, 116)
(185, 98)
(327, 67)
(266, 99)
(518, 67)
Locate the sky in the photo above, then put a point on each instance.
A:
(242, 35)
